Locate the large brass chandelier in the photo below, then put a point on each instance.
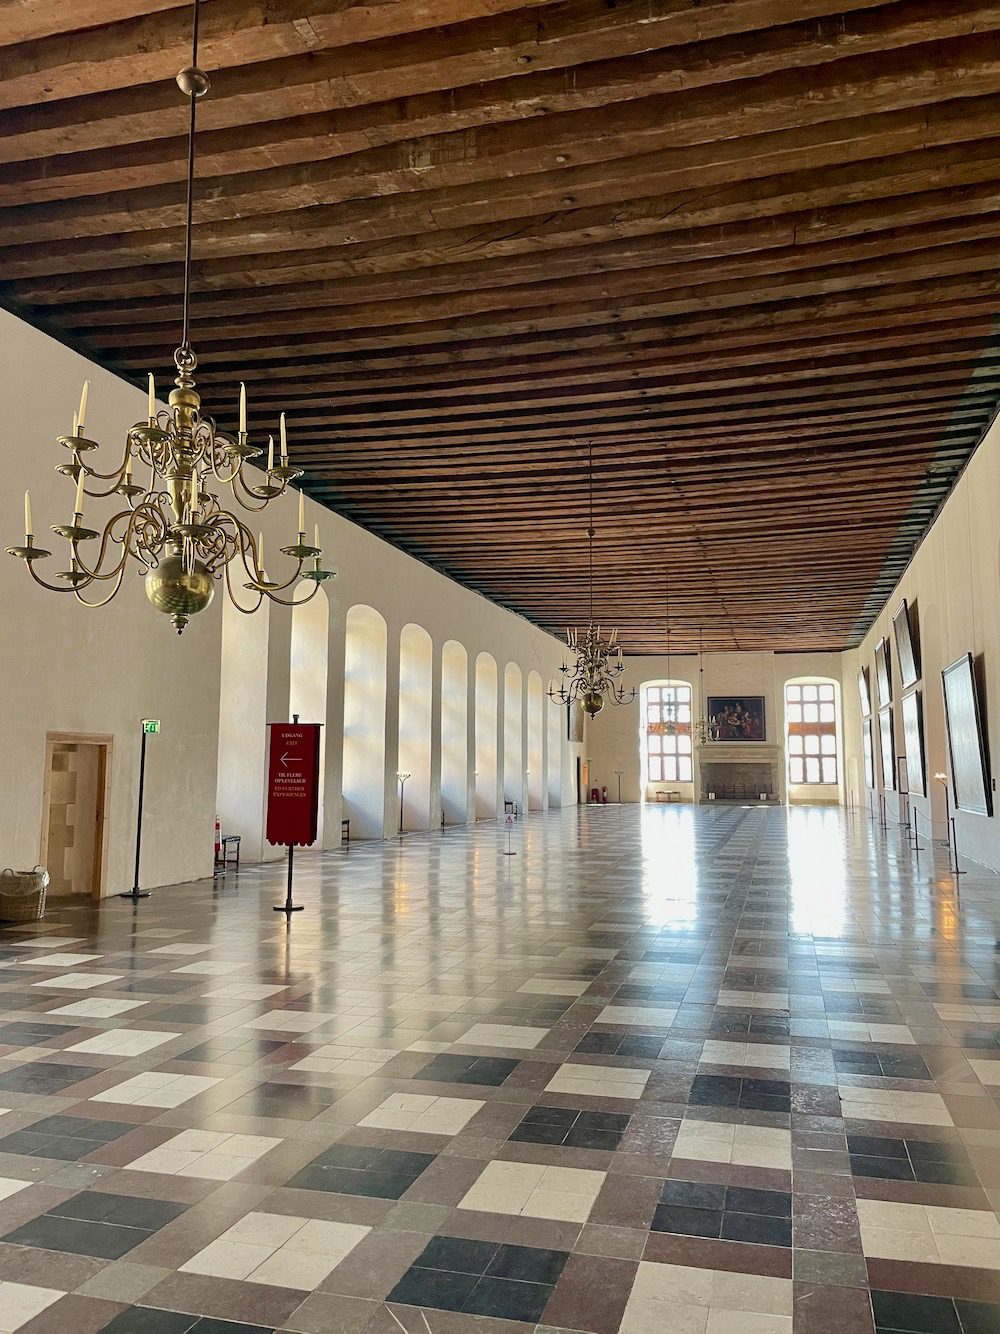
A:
(176, 530)
(596, 671)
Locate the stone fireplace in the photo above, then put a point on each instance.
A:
(740, 771)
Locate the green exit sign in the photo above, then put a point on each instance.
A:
(150, 726)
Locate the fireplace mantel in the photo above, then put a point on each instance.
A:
(740, 752)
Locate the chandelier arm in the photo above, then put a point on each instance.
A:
(95, 571)
(116, 474)
(44, 583)
(292, 601)
(103, 602)
(265, 499)
(247, 611)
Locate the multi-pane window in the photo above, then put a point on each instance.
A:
(811, 715)
(668, 734)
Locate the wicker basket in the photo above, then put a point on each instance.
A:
(22, 894)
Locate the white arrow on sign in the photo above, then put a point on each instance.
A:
(285, 759)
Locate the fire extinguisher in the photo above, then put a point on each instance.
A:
(218, 839)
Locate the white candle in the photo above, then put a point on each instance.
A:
(128, 468)
(316, 536)
(27, 514)
(152, 395)
(76, 426)
(302, 514)
(82, 414)
(78, 503)
(260, 553)
(243, 409)
(270, 452)
(284, 440)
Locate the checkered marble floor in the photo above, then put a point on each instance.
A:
(699, 1071)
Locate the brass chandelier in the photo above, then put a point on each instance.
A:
(595, 674)
(176, 530)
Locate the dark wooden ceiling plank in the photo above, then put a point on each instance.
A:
(850, 88)
(125, 159)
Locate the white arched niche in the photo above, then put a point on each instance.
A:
(513, 758)
(243, 726)
(486, 737)
(536, 743)
(309, 662)
(454, 733)
(414, 754)
(364, 721)
(556, 724)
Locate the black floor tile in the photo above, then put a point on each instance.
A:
(442, 1289)
(527, 1264)
(505, 1299)
(147, 1320)
(978, 1317)
(687, 1222)
(25, 1033)
(447, 1068)
(122, 1210)
(374, 1173)
(52, 1232)
(44, 1077)
(572, 1128)
(694, 1194)
(67, 1138)
(906, 1313)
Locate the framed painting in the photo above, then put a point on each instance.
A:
(574, 721)
(869, 754)
(883, 673)
(736, 717)
(913, 742)
(887, 750)
(907, 653)
(970, 777)
(864, 693)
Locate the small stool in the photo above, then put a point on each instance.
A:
(345, 831)
(222, 861)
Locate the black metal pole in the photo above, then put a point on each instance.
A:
(954, 849)
(288, 906)
(135, 892)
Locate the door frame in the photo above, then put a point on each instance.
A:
(105, 744)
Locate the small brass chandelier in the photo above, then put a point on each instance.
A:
(176, 530)
(595, 674)
(703, 731)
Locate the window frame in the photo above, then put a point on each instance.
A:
(669, 762)
(806, 703)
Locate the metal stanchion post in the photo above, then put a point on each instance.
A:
(956, 869)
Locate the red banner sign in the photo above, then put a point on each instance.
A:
(293, 783)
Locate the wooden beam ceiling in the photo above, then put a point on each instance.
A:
(747, 247)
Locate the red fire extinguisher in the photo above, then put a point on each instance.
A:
(218, 839)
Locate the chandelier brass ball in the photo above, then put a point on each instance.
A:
(179, 594)
(593, 703)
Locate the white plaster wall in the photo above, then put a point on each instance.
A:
(952, 586)
(613, 736)
(66, 668)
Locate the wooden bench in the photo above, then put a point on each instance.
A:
(668, 796)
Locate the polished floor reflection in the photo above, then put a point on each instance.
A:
(706, 1071)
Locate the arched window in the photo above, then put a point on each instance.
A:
(811, 721)
(668, 733)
